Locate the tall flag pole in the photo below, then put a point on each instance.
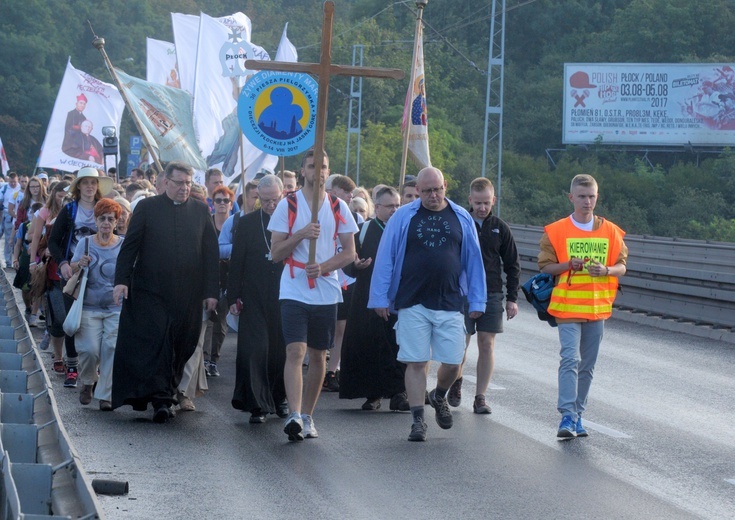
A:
(415, 129)
(99, 44)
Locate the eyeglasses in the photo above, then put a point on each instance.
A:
(103, 218)
(263, 202)
(222, 201)
(389, 206)
(179, 183)
(430, 191)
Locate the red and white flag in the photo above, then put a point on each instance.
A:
(4, 166)
(415, 116)
(74, 135)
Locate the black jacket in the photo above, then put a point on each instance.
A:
(498, 247)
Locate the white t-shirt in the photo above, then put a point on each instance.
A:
(10, 196)
(327, 290)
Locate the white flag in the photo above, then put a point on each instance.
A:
(220, 73)
(415, 117)
(74, 135)
(186, 37)
(4, 166)
(161, 65)
(286, 51)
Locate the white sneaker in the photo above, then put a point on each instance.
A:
(294, 427)
(309, 428)
(32, 320)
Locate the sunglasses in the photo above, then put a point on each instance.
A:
(222, 201)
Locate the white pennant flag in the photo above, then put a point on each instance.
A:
(4, 166)
(220, 73)
(286, 51)
(74, 134)
(415, 117)
(160, 62)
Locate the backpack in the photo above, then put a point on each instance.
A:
(292, 208)
(538, 293)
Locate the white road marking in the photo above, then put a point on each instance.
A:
(605, 430)
(730, 480)
(473, 379)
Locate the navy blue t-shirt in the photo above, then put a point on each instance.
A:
(433, 262)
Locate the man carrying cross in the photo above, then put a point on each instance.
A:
(310, 290)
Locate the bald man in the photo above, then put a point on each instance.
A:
(428, 260)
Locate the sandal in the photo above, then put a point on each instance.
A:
(59, 367)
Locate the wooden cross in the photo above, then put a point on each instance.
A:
(324, 69)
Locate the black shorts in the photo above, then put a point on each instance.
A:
(344, 307)
(491, 320)
(310, 324)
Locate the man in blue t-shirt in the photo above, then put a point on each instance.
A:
(429, 259)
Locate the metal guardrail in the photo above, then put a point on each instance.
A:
(688, 280)
(42, 476)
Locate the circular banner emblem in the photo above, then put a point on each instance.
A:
(277, 112)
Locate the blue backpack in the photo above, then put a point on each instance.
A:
(538, 293)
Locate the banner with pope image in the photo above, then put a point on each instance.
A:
(83, 107)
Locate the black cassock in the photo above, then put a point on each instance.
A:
(169, 261)
(261, 350)
(368, 367)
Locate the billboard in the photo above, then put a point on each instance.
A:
(660, 104)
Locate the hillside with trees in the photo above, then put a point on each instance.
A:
(677, 194)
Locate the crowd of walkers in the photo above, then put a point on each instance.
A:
(356, 301)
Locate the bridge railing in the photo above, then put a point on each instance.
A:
(41, 475)
(692, 280)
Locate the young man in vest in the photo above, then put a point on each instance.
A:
(309, 292)
(587, 255)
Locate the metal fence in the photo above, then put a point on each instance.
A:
(41, 473)
(691, 280)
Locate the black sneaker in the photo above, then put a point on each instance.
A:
(257, 417)
(399, 403)
(161, 413)
(330, 382)
(443, 413)
(371, 404)
(213, 372)
(71, 377)
(454, 397)
(418, 432)
(282, 409)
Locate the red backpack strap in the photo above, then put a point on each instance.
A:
(334, 203)
(292, 207)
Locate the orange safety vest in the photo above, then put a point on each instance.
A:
(577, 294)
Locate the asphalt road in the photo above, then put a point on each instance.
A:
(661, 445)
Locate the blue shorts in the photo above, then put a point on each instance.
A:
(491, 321)
(310, 324)
(423, 334)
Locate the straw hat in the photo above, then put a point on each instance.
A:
(104, 183)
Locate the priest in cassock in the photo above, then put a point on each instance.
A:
(167, 273)
(252, 293)
(369, 349)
